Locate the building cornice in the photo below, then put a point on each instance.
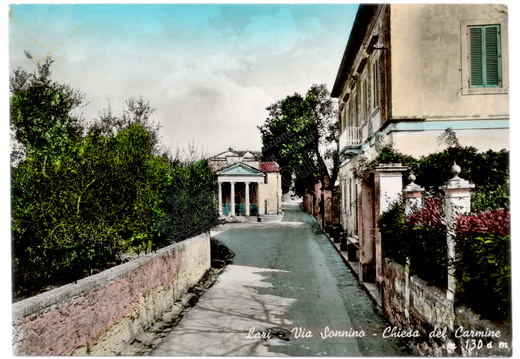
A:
(361, 24)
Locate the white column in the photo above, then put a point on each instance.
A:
(220, 199)
(232, 198)
(247, 198)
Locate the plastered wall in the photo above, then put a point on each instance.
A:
(101, 314)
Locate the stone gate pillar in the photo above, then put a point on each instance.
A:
(413, 201)
(457, 194)
(412, 196)
(388, 186)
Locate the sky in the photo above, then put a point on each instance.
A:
(210, 70)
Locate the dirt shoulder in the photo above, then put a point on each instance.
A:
(145, 342)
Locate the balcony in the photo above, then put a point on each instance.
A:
(351, 137)
(354, 137)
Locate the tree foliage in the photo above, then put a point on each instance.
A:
(189, 207)
(136, 110)
(43, 111)
(85, 200)
(91, 207)
(301, 133)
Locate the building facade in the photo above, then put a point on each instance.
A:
(409, 73)
(246, 186)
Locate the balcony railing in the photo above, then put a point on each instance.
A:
(355, 136)
(351, 137)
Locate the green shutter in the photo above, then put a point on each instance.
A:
(492, 48)
(475, 43)
(484, 55)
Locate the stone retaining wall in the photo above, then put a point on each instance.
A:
(101, 314)
(444, 329)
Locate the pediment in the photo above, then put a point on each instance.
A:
(226, 154)
(240, 169)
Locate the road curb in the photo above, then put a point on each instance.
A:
(369, 288)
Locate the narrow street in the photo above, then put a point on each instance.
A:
(287, 292)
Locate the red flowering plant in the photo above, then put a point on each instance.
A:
(430, 215)
(427, 243)
(497, 221)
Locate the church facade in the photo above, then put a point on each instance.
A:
(246, 186)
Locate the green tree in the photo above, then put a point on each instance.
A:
(43, 112)
(302, 135)
(136, 110)
(41, 118)
(83, 202)
(85, 211)
(189, 207)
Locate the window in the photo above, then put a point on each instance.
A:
(354, 111)
(366, 103)
(347, 114)
(375, 84)
(484, 56)
(350, 115)
(484, 60)
(343, 116)
(344, 208)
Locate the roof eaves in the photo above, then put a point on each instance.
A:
(363, 17)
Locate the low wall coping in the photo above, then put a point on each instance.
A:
(432, 291)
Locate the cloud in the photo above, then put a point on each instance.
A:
(213, 109)
(209, 69)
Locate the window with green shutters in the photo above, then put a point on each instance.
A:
(484, 56)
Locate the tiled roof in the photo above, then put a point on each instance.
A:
(269, 167)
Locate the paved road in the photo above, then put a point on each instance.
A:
(286, 293)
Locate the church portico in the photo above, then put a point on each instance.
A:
(246, 186)
(245, 195)
(238, 190)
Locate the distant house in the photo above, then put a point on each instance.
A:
(246, 186)
(410, 72)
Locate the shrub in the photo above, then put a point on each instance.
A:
(483, 241)
(484, 266)
(430, 215)
(428, 248)
(428, 254)
(394, 233)
(188, 207)
(421, 237)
